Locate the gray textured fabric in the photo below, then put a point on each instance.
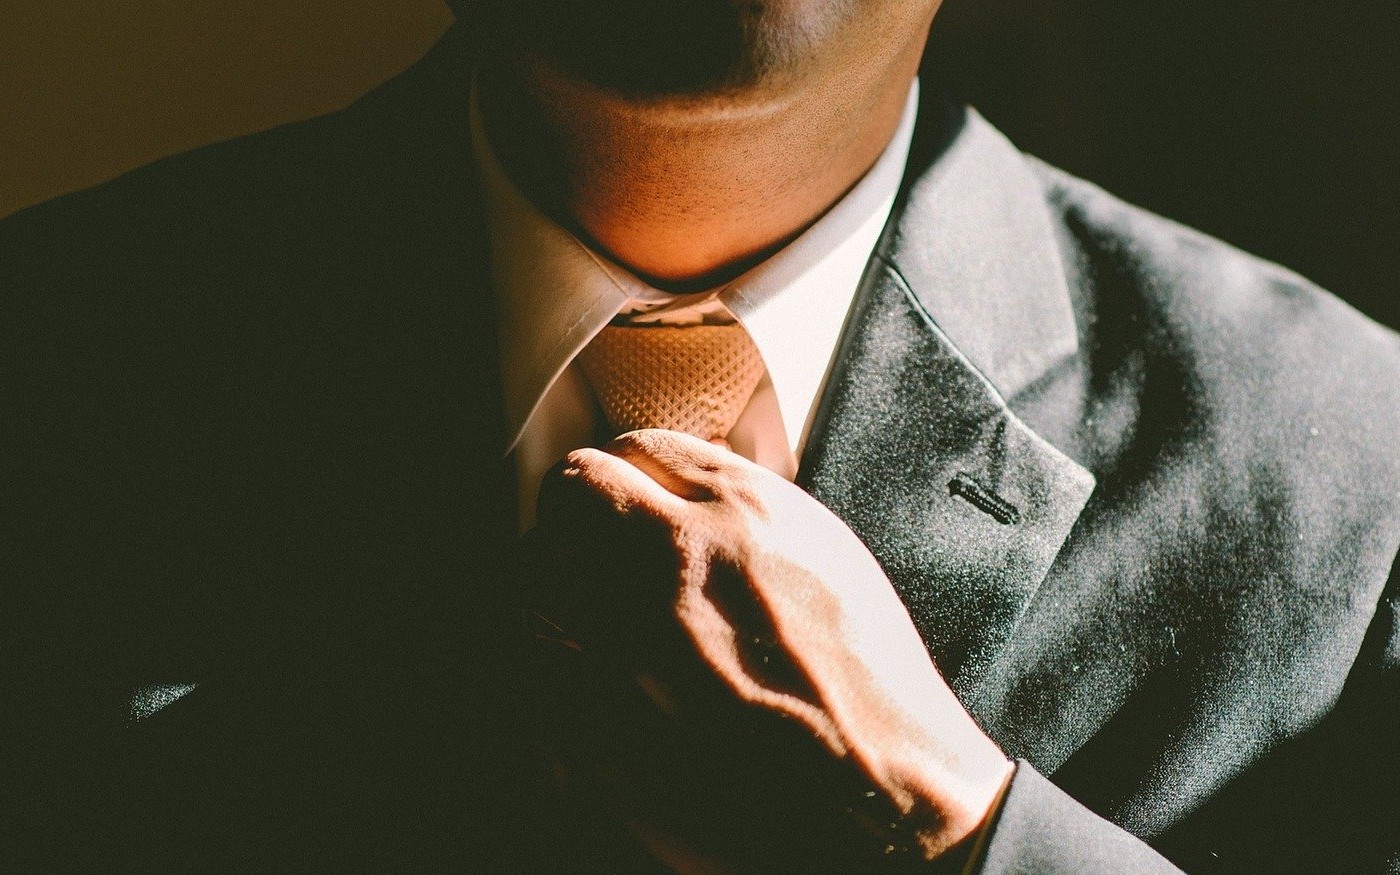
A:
(910, 438)
(1040, 829)
(1210, 660)
(1141, 493)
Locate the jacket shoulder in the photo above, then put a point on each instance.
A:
(1252, 339)
(1269, 404)
(349, 173)
(230, 197)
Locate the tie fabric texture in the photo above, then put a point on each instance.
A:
(691, 378)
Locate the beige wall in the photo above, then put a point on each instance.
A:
(91, 89)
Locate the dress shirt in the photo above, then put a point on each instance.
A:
(554, 294)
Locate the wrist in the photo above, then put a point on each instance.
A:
(951, 809)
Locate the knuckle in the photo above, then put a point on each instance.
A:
(728, 485)
(647, 440)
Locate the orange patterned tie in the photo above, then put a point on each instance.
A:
(691, 378)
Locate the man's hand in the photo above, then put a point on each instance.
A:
(734, 673)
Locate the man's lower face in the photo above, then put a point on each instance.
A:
(663, 47)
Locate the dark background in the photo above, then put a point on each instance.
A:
(1269, 124)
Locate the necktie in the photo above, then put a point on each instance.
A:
(691, 378)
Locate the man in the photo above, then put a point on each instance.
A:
(1078, 493)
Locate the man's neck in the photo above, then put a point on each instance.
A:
(690, 192)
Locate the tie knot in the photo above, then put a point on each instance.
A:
(693, 378)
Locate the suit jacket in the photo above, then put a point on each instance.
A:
(257, 554)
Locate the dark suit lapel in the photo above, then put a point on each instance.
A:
(914, 447)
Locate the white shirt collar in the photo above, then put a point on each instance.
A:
(554, 293)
